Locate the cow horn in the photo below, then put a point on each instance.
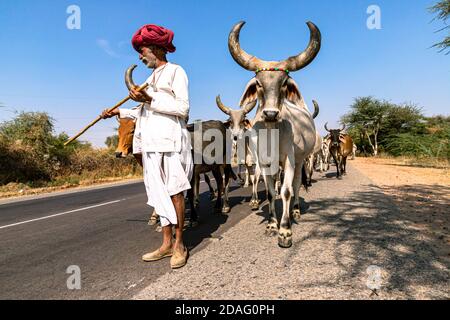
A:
(343, 127)
(326, 127)
(316, 109)
(242, 58)
(129, 77)
(293, 63)
(222, 107)
(307, 56)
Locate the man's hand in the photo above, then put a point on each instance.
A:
(105, 114)
(140, 96)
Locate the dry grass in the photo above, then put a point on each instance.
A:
(86, 168)
(415, 162)
(20, 189)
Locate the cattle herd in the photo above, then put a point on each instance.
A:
(300, 149)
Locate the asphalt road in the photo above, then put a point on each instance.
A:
(104, 232)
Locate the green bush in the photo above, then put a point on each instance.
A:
(431, 145)
(31, 153)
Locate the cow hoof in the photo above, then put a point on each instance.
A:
(296, 215)
(285, 238)
(158, 229)
(153, 222)
(246, 185)
(226, 209)
(271, 230)
(254, 205)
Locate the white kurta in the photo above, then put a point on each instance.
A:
(162, 138)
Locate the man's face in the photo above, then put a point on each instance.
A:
(148, 57)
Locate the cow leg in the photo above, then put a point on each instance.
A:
(241, 180)
(247, 177)
(254, 202)
(196, 188)
(218, 176)
(226, 205)
(194, 216)
(336, 160)
(327, 162)
(278, 179)
(344, 165)
(297, 183)
(310, 168)
(287, 191)
(272, 225)
(320, 163)
(212, 192)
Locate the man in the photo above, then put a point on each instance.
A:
(162, 138)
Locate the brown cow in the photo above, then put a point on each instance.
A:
(341, 146)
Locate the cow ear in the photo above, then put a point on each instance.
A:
(247, 124)
(250, 93)
(293, 92)
(227, 124)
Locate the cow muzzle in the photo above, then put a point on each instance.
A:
(271, 115)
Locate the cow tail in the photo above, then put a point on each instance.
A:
(304, 179)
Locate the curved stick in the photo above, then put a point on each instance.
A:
(143, 87)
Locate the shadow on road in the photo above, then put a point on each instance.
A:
(368, 229)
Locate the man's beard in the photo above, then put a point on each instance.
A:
(151, 64)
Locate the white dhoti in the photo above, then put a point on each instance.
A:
(167, 174)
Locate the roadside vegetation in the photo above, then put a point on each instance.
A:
(33, 157)
(441, 10)
(382, 128)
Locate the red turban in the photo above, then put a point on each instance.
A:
(151, 34)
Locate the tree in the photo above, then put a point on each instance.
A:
(403, 118)
(368, 116)
(442, 12)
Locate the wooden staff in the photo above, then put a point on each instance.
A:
(143, 87)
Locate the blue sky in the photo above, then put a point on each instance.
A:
(74, 74)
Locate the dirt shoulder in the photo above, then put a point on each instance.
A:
(423, 194)
(15, 191)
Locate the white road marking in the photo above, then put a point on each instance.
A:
(60, 214)
(67, 212)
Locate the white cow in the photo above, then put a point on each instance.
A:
(281, 109)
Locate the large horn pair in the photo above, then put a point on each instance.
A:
(293, 63)
(326, 127)
(247, 108)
